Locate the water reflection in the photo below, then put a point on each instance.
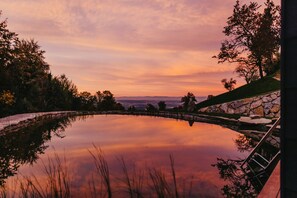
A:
(191, 122)
(144, 143)
(25, 146)
(245, 143)
(244, 181)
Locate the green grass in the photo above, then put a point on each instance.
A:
(268, 84)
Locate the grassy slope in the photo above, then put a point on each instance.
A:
(259, 87)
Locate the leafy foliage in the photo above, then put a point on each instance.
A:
(189, 101)
(229, 85)
(26, 84)
(162, 105)
(7, 100)
(150, 108)
(248, 71)
(254, 39)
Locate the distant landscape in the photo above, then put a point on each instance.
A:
(140, 102)
(168, 99)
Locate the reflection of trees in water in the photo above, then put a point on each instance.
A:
(24, 146)
(243, 182)
(191, 122)
(244, 143)
(240, 184)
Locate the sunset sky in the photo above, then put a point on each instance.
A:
(131, 47)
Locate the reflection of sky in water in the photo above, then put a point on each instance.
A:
(145, 142)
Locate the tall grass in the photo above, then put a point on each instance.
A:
(133, 182)
(102, 168)
(160, 185)
(57, 184)
(173, 175)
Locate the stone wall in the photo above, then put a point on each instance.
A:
(267, 105)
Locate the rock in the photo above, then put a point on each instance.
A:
(266, 111)
(270, 115)
(276, 101)
(275, 108)
(224, 107)
(237, 104)
(273, 96)
(246, 101)
(230, 111)
(266, 99)
(254, 116)
(258, 111)
(245, 119)
(268, 105)
(254, 121)
(256, 104)
(241, 110)
(277, 114)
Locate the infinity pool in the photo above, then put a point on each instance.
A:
(144, 144)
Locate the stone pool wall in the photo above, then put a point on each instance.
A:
(267, 105)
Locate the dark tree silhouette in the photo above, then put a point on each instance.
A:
(26, 84)
(162, 105)
(248, 71)
(150, 108)
(229, 85)
(189, 102)
(88, 101)
(254, 37)
(106, 101)
(132, 108)
(24, 146)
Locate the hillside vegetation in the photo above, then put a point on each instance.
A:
(265, 85)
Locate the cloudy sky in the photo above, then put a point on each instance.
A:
(131, 47)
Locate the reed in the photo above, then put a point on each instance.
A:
(102, 168)
(173, 175)
(57, 184)
(136, 183)
(133, 180)
(159, 183)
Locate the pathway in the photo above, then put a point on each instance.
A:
(15, 119)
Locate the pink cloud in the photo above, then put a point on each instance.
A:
(130, 45)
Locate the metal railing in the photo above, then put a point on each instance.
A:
(268, 133)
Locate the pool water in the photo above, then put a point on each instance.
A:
(144, 144)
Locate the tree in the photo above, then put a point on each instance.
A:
(7, 100)
(62, 94)
(28, 74)
(119, 106)
(254, 38)
(106, 101)
(248, 71)
(267, 38)
(189, 102)
(7, 41)
(150, 108)
(88, 101)
(132, 108)
(162, 105)
(229, 85)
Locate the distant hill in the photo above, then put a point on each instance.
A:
(140, 102)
